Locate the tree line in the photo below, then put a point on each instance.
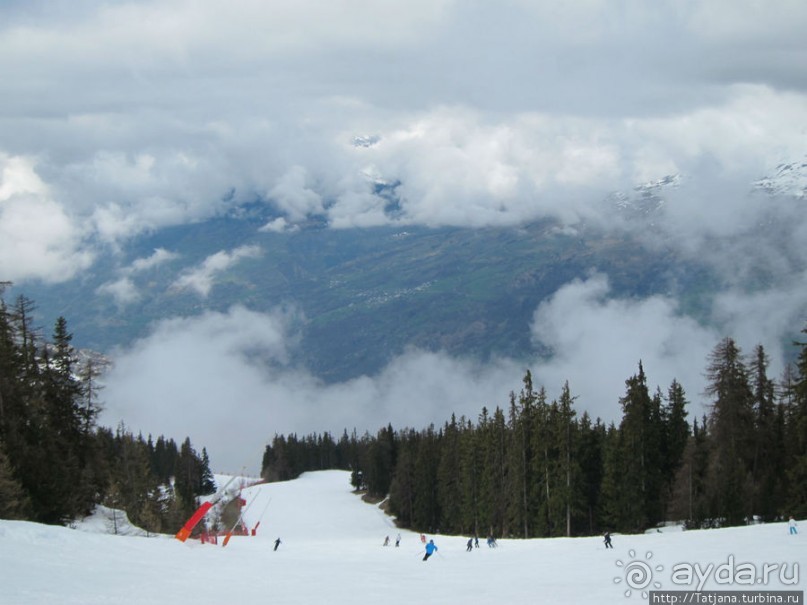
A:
(56, 462)
(535, 468)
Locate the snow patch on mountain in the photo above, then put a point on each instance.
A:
(789, 179)
(645, 199)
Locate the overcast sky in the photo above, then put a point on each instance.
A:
(121, 117)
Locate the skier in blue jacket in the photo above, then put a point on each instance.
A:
(431, 548)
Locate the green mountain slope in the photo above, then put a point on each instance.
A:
(366, 294)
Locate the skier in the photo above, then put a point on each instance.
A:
(476, 541)
(470, 545)
(607, 539)
(277, 543)
(397, 540)
(792, 525)
(386, 541)
(431, 548)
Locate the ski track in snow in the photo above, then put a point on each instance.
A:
(332, 552)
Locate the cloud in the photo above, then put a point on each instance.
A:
(124, 290)
(278, 225)
(157, 258)
(37, 238)
(765, 317)
(121, 119)
(224, 380)
(200, 377)
(293, 195)
(201, 278)
(597, 342)
(143, 115)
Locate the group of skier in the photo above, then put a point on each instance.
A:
(430, 547)
(397, 541)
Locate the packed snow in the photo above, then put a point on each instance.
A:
(332, 551)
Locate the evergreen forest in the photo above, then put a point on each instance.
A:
(56, 462)
(533, 467)
(537, 468)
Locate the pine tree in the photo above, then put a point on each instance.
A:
(402, 489)
(590, 458)
(544, 465)
(732, 432)
(569, 475)
(493, 503)
(614, 505)
(381, 462)
(13, 499)
(768, 458)
(449, 492)
(796, 436)
(425, 507)
(470, 473)
(639, 457)
(207, 484)
(689, 499)
(676, 430)
(187, 476)
(517, 455)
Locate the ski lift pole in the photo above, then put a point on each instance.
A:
(263, 512)
(240, 519)
(186, 530)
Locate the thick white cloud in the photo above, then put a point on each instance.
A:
(37, 237)
(147, 114)
(294, 196)
(202, 278)
(598, 341)
(223, 379)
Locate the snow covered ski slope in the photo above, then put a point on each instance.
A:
(331, 552)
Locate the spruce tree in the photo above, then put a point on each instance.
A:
(768, 455)
(676, 430)
(689, 499)
(590, 459)
(568, 465)
(13, 499)
(470, 472)
(796, 437)
(449, 488)
(639, 455)
(614, 503)
(402, 489)
(732, 433)
(426, 507)
(207, 484)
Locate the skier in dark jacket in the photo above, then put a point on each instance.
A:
(470, 546)
(277, 543)
(607, 539)
(431, 548)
